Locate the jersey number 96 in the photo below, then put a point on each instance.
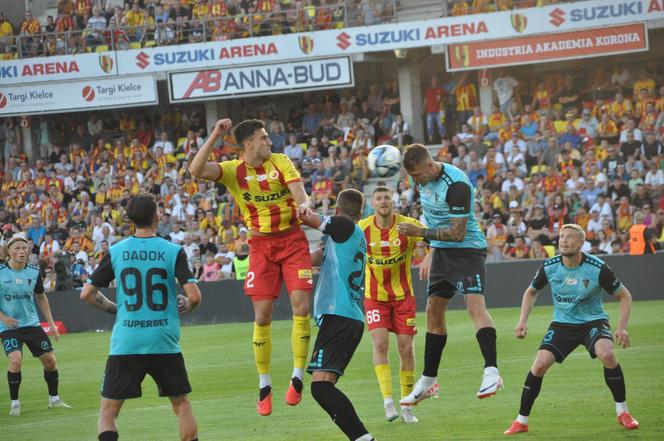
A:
(132, 285)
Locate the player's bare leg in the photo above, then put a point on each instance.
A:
(615, 381)
(531, 389)
(51, 378)
(300, 338)
(337, 405)
(486, 337)
(262, 342)
(406, 373)
(380, 339)
(108, 414)
(436, 338)
(14, 380)
(188, 426)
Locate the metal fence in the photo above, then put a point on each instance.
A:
(120, 36)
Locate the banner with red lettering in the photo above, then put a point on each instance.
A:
(550, 47)
(58, 68)
(266, 79)
(62, 329)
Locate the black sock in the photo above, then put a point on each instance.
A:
(486, 337)
(339, 407)
(297, 384)
(14, 380)
(616, 382)
(433, 351)
(108, 436)
(264, 392)
(51, 378)
(531, 390)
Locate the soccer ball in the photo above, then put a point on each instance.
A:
(384, 161)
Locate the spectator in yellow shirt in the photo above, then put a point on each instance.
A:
(644, 82)
(6, 30)
(134, 21)
(460, 8)
(200, 10)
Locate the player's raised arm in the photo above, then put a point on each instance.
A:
(200, 167)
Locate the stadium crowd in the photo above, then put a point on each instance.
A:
(557, 148)
(100, 25)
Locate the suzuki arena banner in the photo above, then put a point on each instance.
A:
(543, 48)
(78, 95)
(58, 68)
(266, 79)
(447, 30)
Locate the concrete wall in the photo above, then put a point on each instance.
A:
(224, 302)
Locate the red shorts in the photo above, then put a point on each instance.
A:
(397, 316)
(277, 257)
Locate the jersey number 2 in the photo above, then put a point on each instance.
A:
(136, 288)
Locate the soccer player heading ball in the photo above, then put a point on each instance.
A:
(456, 264)
(146, 334)
(577, 281)
(20, 289)
(270, 193)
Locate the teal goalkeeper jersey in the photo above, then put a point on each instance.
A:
(145, 270)
(577, 292)
(340, 288)
(17, 290)
(450, 196)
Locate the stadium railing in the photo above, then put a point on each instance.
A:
(305, 19)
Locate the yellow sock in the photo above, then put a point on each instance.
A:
(300, 341)
(384, 379)
(262, 348)
(407, 380)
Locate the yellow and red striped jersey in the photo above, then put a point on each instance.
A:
(389, 255)
(262, 193)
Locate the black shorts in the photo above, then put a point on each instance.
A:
(561, 338)
(335, 345)
(125, 373)
(457, 270)
(34, 338)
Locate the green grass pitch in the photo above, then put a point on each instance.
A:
(574, 404)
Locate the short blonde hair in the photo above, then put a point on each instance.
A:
(576, 227)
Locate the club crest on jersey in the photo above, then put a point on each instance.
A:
(571, 282)
(396, 242)
(8, 297)
(274, 175)
(586, 282)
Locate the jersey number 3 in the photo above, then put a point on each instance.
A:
(132, 285)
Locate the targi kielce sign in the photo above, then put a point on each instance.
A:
(549, 47)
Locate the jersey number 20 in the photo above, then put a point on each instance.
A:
(136, 288)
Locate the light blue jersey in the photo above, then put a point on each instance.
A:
(340, 288)
(577, 292)
(450, 196)
(17, 290)
(145, 270)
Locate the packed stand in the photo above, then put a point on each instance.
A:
(581, 146)
(85, 26)
(457, 8)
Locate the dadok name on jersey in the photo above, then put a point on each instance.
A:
(262, 193)
(389, 254)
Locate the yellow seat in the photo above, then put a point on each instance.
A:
(134, 45)
(101, 48)
(150, 43)
(537, 169)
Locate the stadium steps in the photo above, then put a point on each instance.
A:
(413, 10)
